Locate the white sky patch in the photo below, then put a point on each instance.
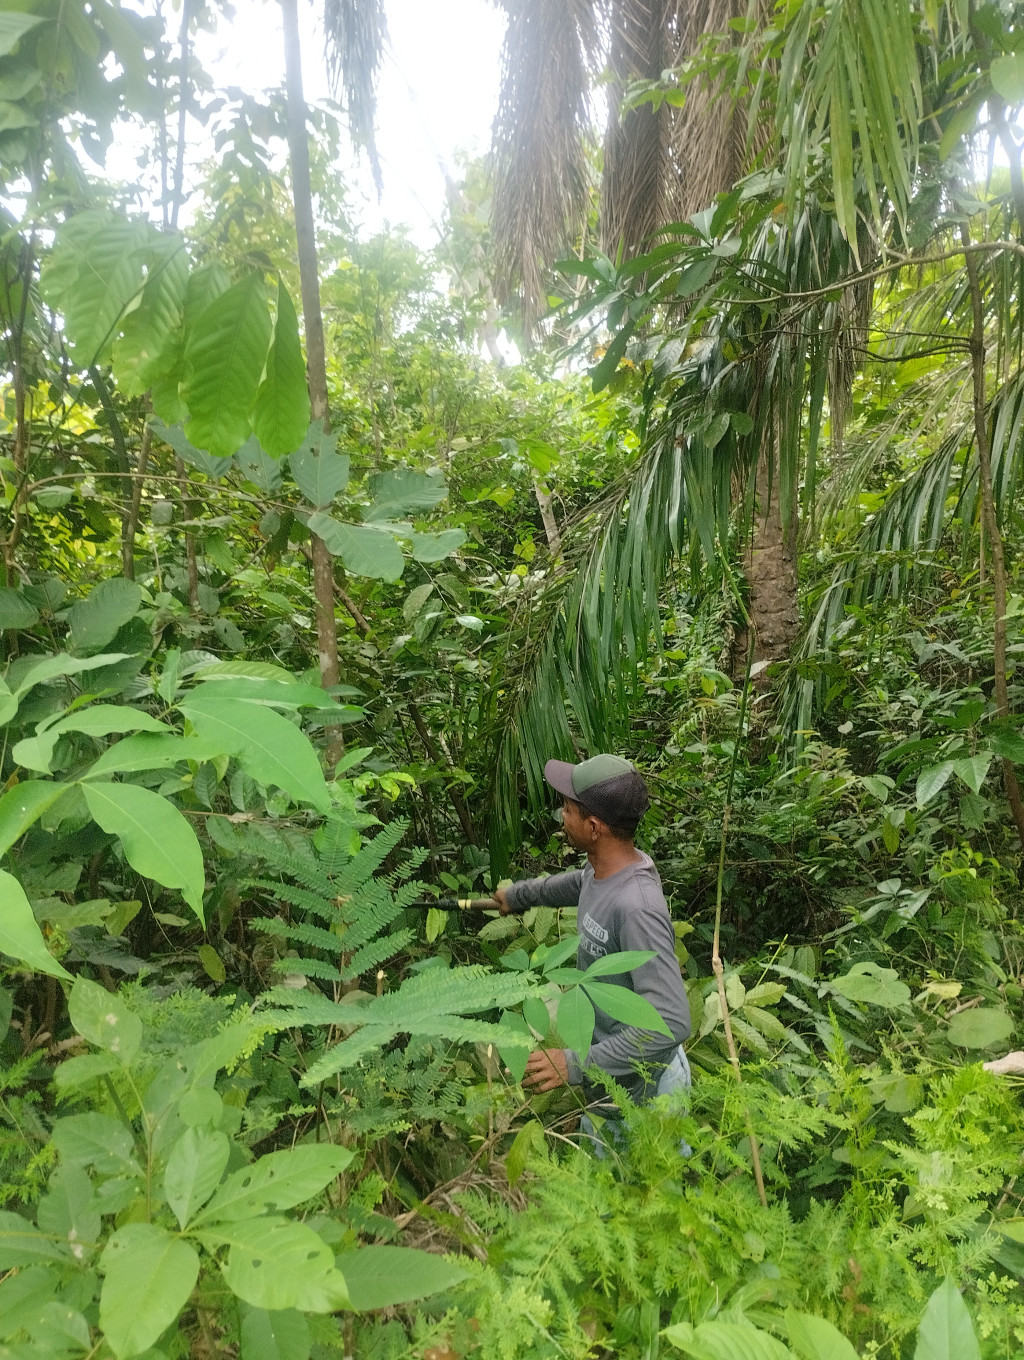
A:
(438, 94)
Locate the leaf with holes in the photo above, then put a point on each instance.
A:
(149, 1276)
(318, 471)
(281, 412)
(157, 840)
(102, 1018)
(275, 1263)
(278, 1180)
(225, 356)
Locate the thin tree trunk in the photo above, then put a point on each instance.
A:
(547, 515)
(993, 536)
(316, 358)
(191, 564)
(132, 522)
(22, 424)
(184, 88)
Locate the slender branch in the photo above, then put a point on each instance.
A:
(191, 563)
(993, 534)
(717, 966)
(131, 523)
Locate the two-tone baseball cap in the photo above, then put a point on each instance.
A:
(608, 786)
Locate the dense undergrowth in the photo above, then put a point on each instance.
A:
(259, 1087)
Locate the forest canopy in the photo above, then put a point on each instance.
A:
(697, 438)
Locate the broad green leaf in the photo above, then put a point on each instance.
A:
(157, 840)
(224, 355)
(815, 1338)
(271, 692)
(23, 1294)
(558, 953)
(174, 437)
(624, 962)
(50, 667)
(23, 805)
(435, 547)
(279, 1180)
(1008, 745)
(96, 619)
(726, 1341)
(96, 1140)
(13, 27)
(401, 490)
(530, 1138)
(272, 750)
(15, 610)
(576, 1021)
(318, 471)
(36, 753)
(626, 1006)
(931, 780)
(195, 1166)
(981, 1027)
(280, 1335)
(149, 1276)
(946, 1331)
(244, 670)
(281, 413)
(20, 936)
(149, 344)
(536, 1015)
(365, 551)
(8, 704)
(515, 1056)
(868, 982)
(69, 1211)
(22, 1244)
(102, 1018)
(384, 1276)
(149, 751)
(415, 600)
(93, 273)
(257, 465)
(1007, 74)
(973, 770)
(276, 1263)
(74, 1072)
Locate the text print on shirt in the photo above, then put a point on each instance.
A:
(595, 933)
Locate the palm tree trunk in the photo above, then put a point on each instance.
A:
(316, 360)
(771, 570)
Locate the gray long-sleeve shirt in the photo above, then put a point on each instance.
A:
(627, 910)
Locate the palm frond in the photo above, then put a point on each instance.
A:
(356, 34)
(542, 178)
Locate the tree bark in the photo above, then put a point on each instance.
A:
(771, 570)
(990, 524)
(316, 357)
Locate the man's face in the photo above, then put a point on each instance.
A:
(576, 827)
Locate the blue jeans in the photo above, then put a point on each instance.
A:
(675, 1077)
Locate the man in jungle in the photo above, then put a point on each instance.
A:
(621, 906)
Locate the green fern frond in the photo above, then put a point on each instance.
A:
(301, 898)
(312, 968)
(298, 933)
(377, 952)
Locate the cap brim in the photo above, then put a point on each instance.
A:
(558, 773)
